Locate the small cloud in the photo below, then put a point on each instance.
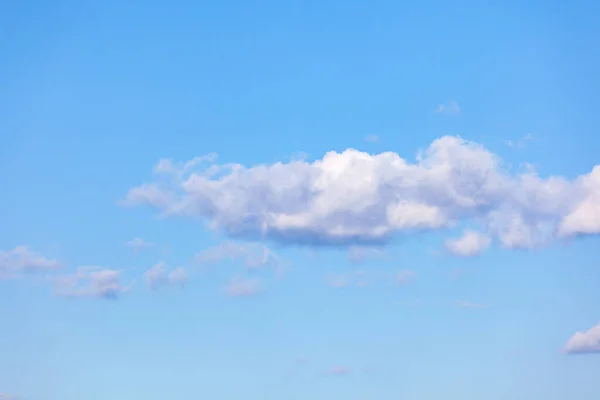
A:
(587, 342)
(6, 396)
(359, 254)
(451, 108)
(468, 304)
(357, 278)
(21, 260)
(158, 276)
(457, 273)
(339, 370)
(168, 167)
(368, 370)
(301, 361)
(470, 244)
(178, 276)
(337, 281)
(90, 282)
(519, 144)
(362, 279)
(252, 255)
(405, 277)
(413, 302)
(372, 138)
(299, 156)
(435, 253)
(242, 287)
(137, 244)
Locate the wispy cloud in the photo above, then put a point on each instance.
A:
(584, 342)
(354, 278)
(411, 302)
(456, 273)
(137, 244)
(21, 260)
(301, 361)
(372, 138)
(159, 276)
(468, 304)
(358, 254)
(404, 277)
(339, 370)
(252, 255)
(90, 282)
(519, 144)
(337, 281)
(243, 287)
(166, 166)
(450, 108)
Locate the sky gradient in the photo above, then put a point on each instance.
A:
(322, 200)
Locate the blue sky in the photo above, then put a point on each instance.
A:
(319, 200)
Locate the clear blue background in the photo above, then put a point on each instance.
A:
(92, 94)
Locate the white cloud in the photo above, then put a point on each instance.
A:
(355, 198)
(584, 342)
(21, 260)
(372, 138)
(405, 277)
(519, 144)
(471, 243)
(168, 167)
(137, 244)
(253, 255)
(90, 282)
(243, 287)
(451, 108)
(584, 218)
(158, 276)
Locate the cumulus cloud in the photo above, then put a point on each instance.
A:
(252, 255)
(451, 108)
(584, 217)
(471, 243)
(137, 244)
(356, 198)
(243, 287)
(584, 342)
(21, 260)
(159, 276)
(90, 282)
